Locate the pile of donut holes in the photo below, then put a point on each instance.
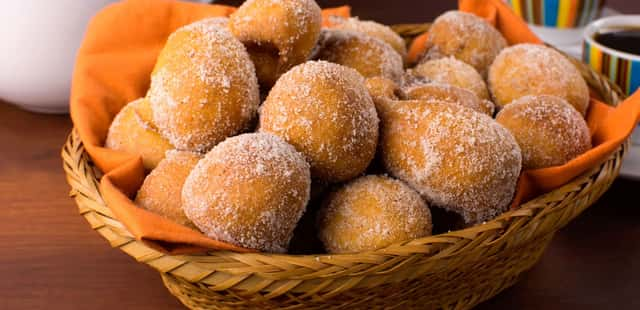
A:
(251, 121)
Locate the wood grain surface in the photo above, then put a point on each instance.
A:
(51, 259)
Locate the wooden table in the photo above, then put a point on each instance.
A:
(50, 258)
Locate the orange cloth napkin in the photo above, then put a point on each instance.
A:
(342, 11)
(113, 66)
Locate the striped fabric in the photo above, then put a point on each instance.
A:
(557, 13)
(623, 72)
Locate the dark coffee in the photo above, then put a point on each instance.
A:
(621, 39)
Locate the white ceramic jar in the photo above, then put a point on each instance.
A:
(39, 43)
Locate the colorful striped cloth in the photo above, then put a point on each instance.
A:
(557, 13)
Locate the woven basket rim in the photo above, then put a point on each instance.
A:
(535, 203)
(609, 92)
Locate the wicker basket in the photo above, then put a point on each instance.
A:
(457, 270)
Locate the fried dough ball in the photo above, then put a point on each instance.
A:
(325, 111)
(203, 87)
(548, 129)
(250, 190)
(131, 131)
(367, 55)
(278, 34)
(161, 190)
(454, 72)
(372, 212)
(268, 68)
(381, 87)
(466, 37)
(375, 30)
(382, 91)
(458, 159)
(533, 69)
(451, 94)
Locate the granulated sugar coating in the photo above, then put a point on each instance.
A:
(372, 212)
(373, 29)
(324, 110)
(218, 21)
(161, 191)
(131, 132)
(548, 129)
(533, 69)
(458, 159)
(366, 54)
(451, 94)
(250, 190)
(203, 87)
(466, 37)
(382, 90)
(278, 34)
(451, 71)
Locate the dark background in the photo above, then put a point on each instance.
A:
(420, 11)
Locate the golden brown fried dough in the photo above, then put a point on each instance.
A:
(548, 129)
(382, 91)
(466, 37)
(278, 34)
(533, 69)
(326, 112)
(203, 87)
(454, 72)
(376, 30)
(367, 55)
(161, 191)
(250, 190)
(451, 94)
(458, 159)
(132, 131)
(372, 212)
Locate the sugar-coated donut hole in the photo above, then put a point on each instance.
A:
(451, 94)
(381, 87)
(279, 34)
(161, 190)
(250, 190)
(372, 212)
(266, 61)
(131, 131)
(382, 91)
(458, 159)
(366, 54)
(534, 69)
(449, 70)
(203, 87)
(326, 112)
(374, 29)
(466, 37)
(548, 129)
(322, 120)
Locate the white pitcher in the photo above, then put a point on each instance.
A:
(39, 40)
